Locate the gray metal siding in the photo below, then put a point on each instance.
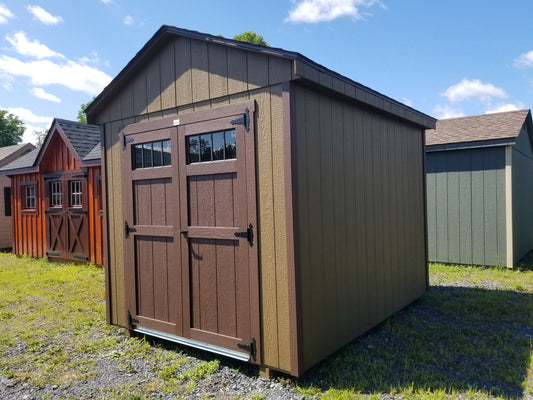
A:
(466, 206)
(522, 170)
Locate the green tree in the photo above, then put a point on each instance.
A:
(11, 129)
(251, 37)
(81, 113)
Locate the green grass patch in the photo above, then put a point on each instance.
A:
(456, 339)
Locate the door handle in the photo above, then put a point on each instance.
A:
(184, 232)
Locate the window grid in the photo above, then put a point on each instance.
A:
(213, 146)
(56, 194)
(151, 154)
(75, 194)
(31, 191)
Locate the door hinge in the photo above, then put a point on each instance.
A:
(244, 120)
(132, 321)
(125, 141)
(52, 254)
(251, 348)
(248, 234)
(128, 230)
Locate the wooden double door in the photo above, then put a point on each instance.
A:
(66, 215)
(190, 229)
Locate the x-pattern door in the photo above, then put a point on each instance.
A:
(67, 227)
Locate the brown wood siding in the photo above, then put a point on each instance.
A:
(361, 232)
(206, 76)
(29, 227)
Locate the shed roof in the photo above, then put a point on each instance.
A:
(303, 68)
(81, 137)
(487, 129)
(10, 153)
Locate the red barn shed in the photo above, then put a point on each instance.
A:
(56, 195)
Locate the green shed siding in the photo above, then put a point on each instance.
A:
(466, 206)
(522, 167)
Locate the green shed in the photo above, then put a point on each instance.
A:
(480, 189)
(258, 205)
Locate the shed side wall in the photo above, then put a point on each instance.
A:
(522, 178)
(466, 206)
(6, 222)
(190, 75)
(360, 215)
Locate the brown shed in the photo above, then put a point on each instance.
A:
(258, 205)
(56, 195)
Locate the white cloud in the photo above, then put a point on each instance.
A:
(468, 89)
(106, 1)
(72, 75)
(5, 14)
(26, 115)
(314, 11)
(443, 112)
(129, 20)
(505, 108)
(40, 93)
(407, 102)
(44, 16)
(525, 60)
(36, 49)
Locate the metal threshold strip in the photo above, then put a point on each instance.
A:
(195, 343)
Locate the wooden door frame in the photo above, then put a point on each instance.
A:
(238, 111)
(65, 176)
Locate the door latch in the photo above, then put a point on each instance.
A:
(248, 234)
(128, 230)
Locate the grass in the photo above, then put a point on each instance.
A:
(470, 336)
(457, 340)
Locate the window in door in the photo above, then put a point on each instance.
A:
(213, 146)
(56, 194)
(75, 194)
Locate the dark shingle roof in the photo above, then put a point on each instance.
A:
(26, 161)
(94, 154)
(82, 137)
(505, 125)
(10, 153)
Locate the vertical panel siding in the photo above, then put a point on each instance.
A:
(466, 206)
(206, 76)
(30, 228)
(522, 176)
(365, 255)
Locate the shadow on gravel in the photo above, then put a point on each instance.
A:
(452, 339)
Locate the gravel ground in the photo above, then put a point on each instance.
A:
(231, 380)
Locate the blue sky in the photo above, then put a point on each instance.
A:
(445, 58)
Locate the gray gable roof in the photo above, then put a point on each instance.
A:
(83, 138)
(94, 154)
(494, 128)
(11, 153)
(26, 161)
